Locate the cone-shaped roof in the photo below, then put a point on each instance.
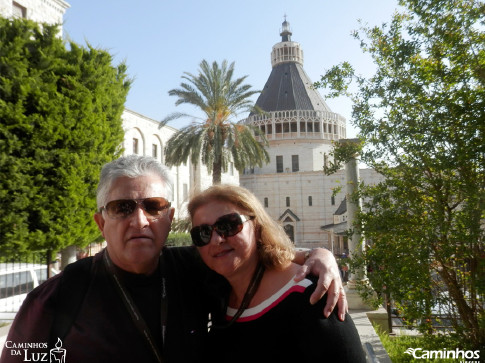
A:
(288, 86)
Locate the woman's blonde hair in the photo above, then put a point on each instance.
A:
(275, 248)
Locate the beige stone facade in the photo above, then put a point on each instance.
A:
(303, 202)
(41, 11)
(301, 129)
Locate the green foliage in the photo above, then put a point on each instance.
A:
(178, 239)
(60, 112)
(216, 140)
(422, 119)
(396, 346)
(342, 153)
(338, 78)
(182, 225)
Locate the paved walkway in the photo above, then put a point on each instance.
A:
(369, 337)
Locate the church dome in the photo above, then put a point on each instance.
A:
(293, 108)
(288, 86)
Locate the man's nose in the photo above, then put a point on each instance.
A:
(138, 218)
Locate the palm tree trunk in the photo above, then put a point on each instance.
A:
(216, 173)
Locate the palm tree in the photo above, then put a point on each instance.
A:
(216, 138)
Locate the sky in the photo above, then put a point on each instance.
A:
(159, 40)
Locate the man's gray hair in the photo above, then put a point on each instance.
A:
(131, 166)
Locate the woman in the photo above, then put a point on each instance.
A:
(263, 306)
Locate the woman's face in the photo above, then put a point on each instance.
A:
(228, 256)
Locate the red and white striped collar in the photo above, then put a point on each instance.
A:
(262, 308)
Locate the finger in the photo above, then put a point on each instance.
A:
(332, 299)
(343, 306)
(320, 290)
(302, 272)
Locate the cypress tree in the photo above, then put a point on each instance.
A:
(60, 121)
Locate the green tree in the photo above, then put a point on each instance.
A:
(60, 121)
(422, 119)
(216, 138)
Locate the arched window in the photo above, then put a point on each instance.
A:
(135, 145)
(290, 232)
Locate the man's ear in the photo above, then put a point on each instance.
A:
(98, 218)
(172, 213)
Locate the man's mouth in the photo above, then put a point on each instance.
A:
(139, 236)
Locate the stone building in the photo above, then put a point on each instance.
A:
(41, 11)
(300, 128)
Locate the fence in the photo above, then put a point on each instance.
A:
(19, 275)
(439, 319)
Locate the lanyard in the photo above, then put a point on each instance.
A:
(133, 310)
(248, 296)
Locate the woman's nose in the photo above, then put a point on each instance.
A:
(217, 238)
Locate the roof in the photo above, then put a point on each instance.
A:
(342, 208)
(288, 213)
(340, 228)
(289, 88)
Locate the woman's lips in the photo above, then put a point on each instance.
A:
(223, 252)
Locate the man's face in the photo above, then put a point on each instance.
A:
(134, 242)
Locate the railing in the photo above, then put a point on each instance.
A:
(18, 276)
(300, 124)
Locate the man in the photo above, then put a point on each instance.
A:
(131, 302)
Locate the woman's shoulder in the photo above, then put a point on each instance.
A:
(273, 280)
(279, 293)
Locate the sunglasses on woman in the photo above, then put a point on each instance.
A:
(122, 208)
(226, 226)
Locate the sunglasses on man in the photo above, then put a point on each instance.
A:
(225, 226)
(122, 208)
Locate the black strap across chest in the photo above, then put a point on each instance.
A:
(248, 296)
(69, 300)
(133, 309)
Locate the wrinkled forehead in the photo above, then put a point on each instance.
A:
(138, 188)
